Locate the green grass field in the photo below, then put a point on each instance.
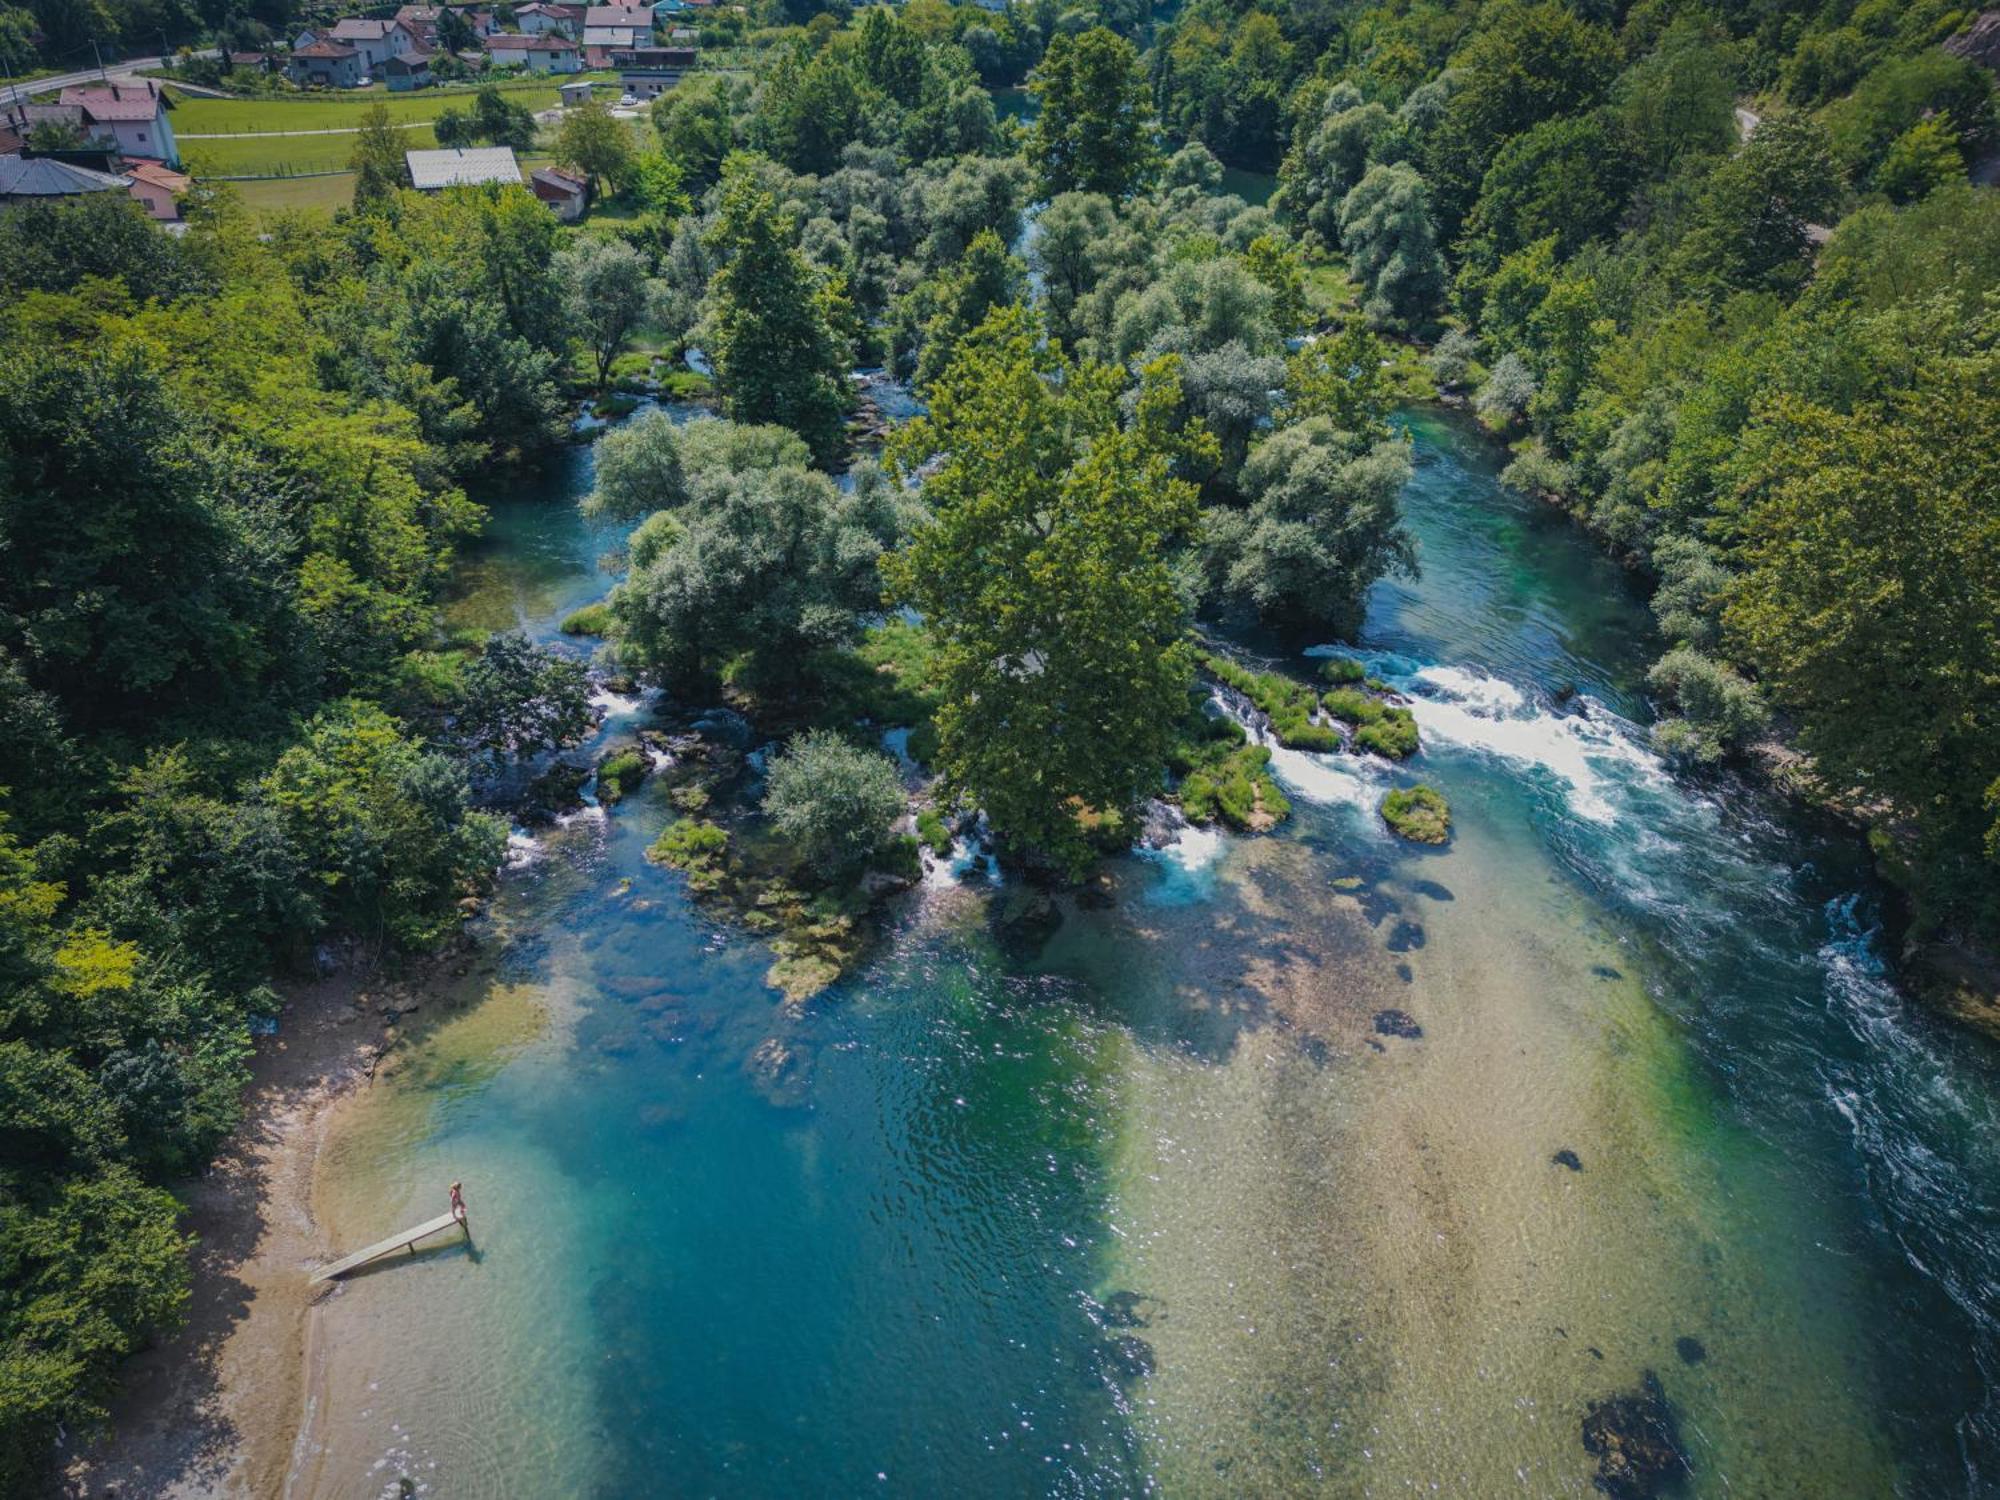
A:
(265, 137)
(277, 155)
(315, 194)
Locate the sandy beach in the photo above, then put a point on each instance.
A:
(215, 1409)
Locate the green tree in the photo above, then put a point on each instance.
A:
(1043, 577)
(836, 803)
(1869, 603)
(595, 143)
(1323, 523)
(517, 699)
(607, 294)
(776, 356)
(763, 568)
(1385, 223)
(1920, 160)
(1749, 229)
(1095, 130)
(382, 824)
(377, 160)
(696, 127)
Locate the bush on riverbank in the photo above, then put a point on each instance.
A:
(1419, 813)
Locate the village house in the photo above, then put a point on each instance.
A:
(433, 171)
(545, 20)
(132, 113)
(422, 21)
(609, 28)
(648, 72)
(574, 94)
(331, 65)
(377, 41)
(30, 179)
(538, 54)
(564, 192)
(406, 73)
(157, 188)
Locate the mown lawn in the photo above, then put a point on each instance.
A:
(274, 155)
(316, 194)
(199, 116)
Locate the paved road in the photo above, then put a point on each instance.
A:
(16, 92)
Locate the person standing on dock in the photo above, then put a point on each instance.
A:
(457, 1203)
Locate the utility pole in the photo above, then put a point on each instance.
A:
(102, 76)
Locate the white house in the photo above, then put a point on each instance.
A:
(376, 41)
(538, 54)
(542, 20)
(132, 112)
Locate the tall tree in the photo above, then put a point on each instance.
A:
(608, 294)
(377, 160)
(1385, 224)
(1095, 130)
(596, 143)
(777, 358)
(1043, 575)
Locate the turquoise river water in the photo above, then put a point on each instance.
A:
(1354, 1264)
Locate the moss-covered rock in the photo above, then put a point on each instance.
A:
(695, 847)
(592, 619)
(620, 774)
(1419, 813)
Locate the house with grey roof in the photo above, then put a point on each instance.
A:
(433, 171)
(33, 179)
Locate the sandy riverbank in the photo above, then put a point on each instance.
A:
(215, 1409)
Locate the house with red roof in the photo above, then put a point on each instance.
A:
(333, 65)
(538, 54)
(132, 113)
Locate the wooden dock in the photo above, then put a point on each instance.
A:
(407, 1240)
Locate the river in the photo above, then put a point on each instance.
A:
(1350, 1257)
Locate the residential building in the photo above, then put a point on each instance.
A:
(574, 94)
(406, 73)
(648, 72)
(30, 179)
(538, 54)
(377, 41)
(431, 171)
(158, 188)
(16, 120)
(331, 65)
(612, 26)
(565, 193)
(546, 20)
(422, 22)
(132, 112)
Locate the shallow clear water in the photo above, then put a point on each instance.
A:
(1359, 1269)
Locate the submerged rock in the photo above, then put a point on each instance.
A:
(1690, 1349)
(1397, 1023)
(1127, 1310)
(724, 725)
(1567, 1158)
(557, 791)
(1126, 1359)
(1024, 919)
(1635, 1442)
(777, 1072)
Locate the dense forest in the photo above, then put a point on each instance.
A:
(1718, 275)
